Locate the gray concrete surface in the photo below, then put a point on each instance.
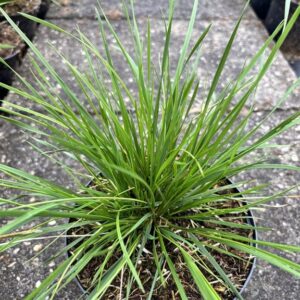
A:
(151, 8)
(247, 43)
(18, 277)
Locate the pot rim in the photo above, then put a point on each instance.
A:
(13, 55)
(250, 221)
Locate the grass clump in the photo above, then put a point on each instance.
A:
(159, 176)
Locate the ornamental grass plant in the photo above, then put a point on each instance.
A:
(159, 192)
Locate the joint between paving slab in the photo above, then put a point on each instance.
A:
(123, 18)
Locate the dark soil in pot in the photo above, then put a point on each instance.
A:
(17, 6)
(11, 56)
(238, 270)
(8, 36)
(30, 7)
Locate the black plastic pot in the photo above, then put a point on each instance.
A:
(250, 221)
(6, 75)
(276, 14)
(28, 27)
(45, 4)
(261, 7)
(291, 46)
(296, 66)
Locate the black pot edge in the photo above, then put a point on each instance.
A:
(14, 60)
(41, 13)
(261, 7)
(16, 56)
(43, 9)
(250, 221)
(296, 66)
(273, 19)
(27, 26)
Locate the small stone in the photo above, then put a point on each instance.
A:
(27, 243)
(32, 199)
(38, 283)
(114, 14)
(294, 158)
(51, 264)
(18, 278)
(37, 247)
(16, 251)
(52, 223)
(12, 264)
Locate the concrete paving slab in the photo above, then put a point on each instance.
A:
(269, 282)
(208, 9)
(249, 40)
(20, 266)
